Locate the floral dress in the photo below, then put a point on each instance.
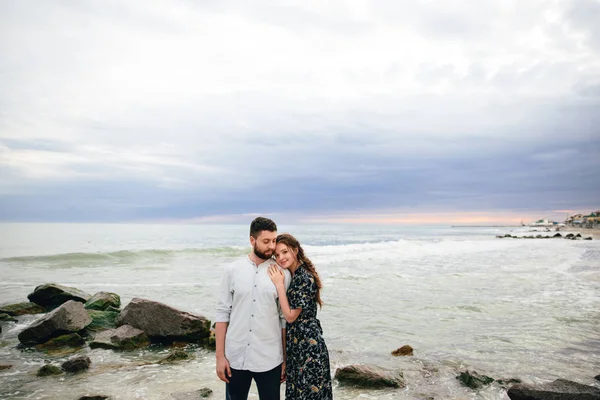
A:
(307, 360)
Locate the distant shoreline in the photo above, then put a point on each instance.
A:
(485, 226)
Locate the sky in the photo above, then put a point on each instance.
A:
(306, 111)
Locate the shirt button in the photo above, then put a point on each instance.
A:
(254, 285)
(253, 315)
(254, 300)
(250, 330)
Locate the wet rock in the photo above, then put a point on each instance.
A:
(176, 355)
(5, 367)
(103, 301)
(48, 370)
(7, 318)
(369, 377)
(95, 397)
(164, 323)
(102, 320)
(22, 309)
(51, 295)
(405, 350)
(202, 393)
(124, 337)
(77, 364)
(69, 340)
(69, 317)
(560, 389)
(473, 380)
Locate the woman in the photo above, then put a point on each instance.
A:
(307, 358)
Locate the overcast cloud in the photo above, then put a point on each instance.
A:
(168, 110)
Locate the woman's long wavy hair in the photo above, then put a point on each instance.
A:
(294, 245)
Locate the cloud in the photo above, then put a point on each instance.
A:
(199, 109)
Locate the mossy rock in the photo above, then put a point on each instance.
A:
(7, 318)
(176, 355)
(103, 301)
(48, 370)
(17, 309)
(102, 320)
(70, 340)
(473, 380)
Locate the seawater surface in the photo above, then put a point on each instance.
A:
(462, 298)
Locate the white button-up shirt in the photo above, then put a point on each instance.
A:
(248, 301)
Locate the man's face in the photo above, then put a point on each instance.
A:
(264, 245)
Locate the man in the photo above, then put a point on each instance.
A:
(250, 327)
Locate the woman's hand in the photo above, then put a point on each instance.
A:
(276, 275)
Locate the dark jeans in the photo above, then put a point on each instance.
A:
(267, 382)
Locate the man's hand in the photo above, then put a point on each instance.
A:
(223, 370)
(282, 373)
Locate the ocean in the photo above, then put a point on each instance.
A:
(463, 299)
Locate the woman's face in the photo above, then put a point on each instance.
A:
(285, 256)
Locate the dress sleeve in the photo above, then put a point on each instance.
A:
(302, 292)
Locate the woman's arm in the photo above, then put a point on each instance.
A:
(278, 279)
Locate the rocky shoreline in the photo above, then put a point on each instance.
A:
(74, 321)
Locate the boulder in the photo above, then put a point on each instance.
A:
(560, 389)
(7, 318)
(77, 364)
(164, 323)
(5, 366)
(103, 300)
(369, 377)
(102, 320)
(52, 295)
(69, 317)
(597, 377)
(69, 340)
(22, 309)
(405, 350)
(125, 337)
(473, 380)
(94, 397)
(48, 370)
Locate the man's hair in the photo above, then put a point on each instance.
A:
(261, 224)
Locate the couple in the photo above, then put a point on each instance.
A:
(266, 321)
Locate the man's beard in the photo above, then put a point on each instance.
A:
(262, 255)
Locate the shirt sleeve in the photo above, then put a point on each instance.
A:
(302, 293)
(225, 297)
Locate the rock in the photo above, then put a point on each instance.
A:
(7, 318)
(560, 389)
(5, 367)
(203, 393)
(405, 350)
(597, 377)
(96, 397)
(69, 317)
(369, 377)
(125, 337)
(48, 370)
(70, 340)
(77, 364)
(22, 309)
(474, 380)
(176, 355)
(164, 323)
(52, 295)
(102, 320)
(103, 300)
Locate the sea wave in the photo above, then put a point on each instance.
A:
(226, 251)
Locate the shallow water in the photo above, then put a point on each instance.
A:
(460, 297)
